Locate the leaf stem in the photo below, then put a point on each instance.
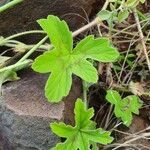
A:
(23, 59)
(33, 49)
(23, 33)
(85, 93)
(105, 5)
(84, 28)
(17, 65)
(10, 4)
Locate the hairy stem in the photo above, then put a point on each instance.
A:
(85, 88)
(9, 5)
(33, 49)
(17, 65)
(24, 33)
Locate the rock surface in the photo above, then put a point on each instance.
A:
(23, 16)
(25, 114)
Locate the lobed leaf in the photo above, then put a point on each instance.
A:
(63, 60)
(124, 107)
(83, 134)
(58, 32)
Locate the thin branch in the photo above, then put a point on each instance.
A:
(141, 37)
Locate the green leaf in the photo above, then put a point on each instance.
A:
(124, 107)
(83, 134)
(10, 74)
(98, 49)
(142, 1)
(122, 15)
(132, 3)
(7, 76)
(104, 14)
(58, 85)
(83, 116)
(63, 130)
(135, 103)
(113, 97)
(86, 71)
(63, 61)
(58, 32)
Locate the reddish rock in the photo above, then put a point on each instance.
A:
(25, 114)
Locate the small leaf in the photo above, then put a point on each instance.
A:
(112, 7)
(83, 134)
(135, 103)
(113, 97)
(124, 107)
(7, 76)
(132, 3)
(123, 15)
(104, 14)
(11, 75)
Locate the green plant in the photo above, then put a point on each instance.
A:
(63, 61)
(123, 108)
(84, 134)
(120, 10)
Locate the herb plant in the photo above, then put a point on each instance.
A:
(123, 108)
(120, 10)
(84, 134)
(63, 61)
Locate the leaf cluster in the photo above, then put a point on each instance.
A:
(119, 10)
(84, 134)
(64, 60)
(123, 108)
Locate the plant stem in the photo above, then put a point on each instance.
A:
(84, 28)
(95, 22)
(85, 93)
(33, 49)
(24, 33)
(141, 37)
(17, 65)
(10, 4)
(105, 5)
(23, 59)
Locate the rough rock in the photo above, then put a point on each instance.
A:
(23, 17)
(25, 114)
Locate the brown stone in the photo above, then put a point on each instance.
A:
(25, 114)
(23, 16)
